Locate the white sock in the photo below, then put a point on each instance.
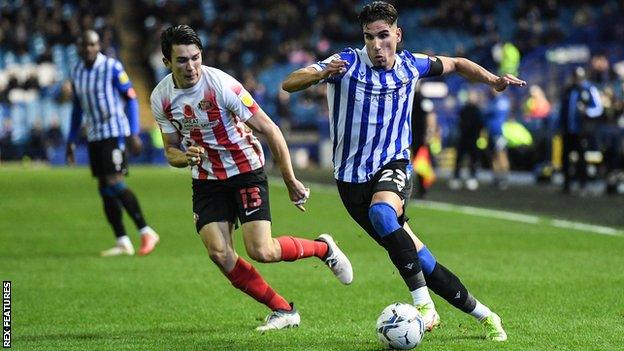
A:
(124, 241)
(421, 296)
(480, 311)
(146, 230)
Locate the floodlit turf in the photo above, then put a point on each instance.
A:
(555, 289)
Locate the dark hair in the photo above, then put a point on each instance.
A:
(378, 10)
(178, 35)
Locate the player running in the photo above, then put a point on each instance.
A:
(370, 92)
(211, 115)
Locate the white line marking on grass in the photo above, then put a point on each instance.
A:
(518, 217)
(487, 213)
(476, 211)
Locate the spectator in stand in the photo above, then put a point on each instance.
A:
(579, 101)
(470, 124)
(536, 118)
(495, 115)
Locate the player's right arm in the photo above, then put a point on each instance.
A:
(176, 156)
(308, 76)
(76, 122)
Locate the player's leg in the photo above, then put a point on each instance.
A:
(118, 187)
(255, 215)
(385, 210)
(111, 205)
(113, 212)
(116, 168)
(447, 285)
(390, 189)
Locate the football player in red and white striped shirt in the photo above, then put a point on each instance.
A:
(206, 118)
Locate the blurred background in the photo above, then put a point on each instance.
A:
(544, 42)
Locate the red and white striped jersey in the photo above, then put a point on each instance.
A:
(211, 114)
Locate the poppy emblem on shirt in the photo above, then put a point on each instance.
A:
(188, 112)
(204, 105)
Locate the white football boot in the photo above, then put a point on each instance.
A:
(336, 260)
(281, 319)
(118, 250)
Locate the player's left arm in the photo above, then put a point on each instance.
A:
(261, 123)
(475, 73)
(240, 102)
(122, 83)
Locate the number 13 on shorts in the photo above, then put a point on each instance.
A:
(251, 197)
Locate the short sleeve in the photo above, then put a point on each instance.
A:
(160, 108)
(236, 98)
(346, 54)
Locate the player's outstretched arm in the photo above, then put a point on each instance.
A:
(261, 123)
(305, 77)
(475, 73)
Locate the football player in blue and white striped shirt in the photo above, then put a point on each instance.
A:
(370, 93)
(103, 94)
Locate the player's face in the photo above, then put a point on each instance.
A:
(185, 65)
(381, 41)
(89, 48)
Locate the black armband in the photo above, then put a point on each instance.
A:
(436, 68)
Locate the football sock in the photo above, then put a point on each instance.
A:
(124, 241)
(296, 248)
(112, 209)
(247, 279)
(421, 296)
(403, 254)
(384, 218)
(131, 204)
(427, 261)
(446, 284)
(480, 311)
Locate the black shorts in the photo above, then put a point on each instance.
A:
(356, 197)
(243, 197)
(107, 157)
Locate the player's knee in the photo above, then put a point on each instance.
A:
(113, 190)
(384, 218)
(262, 254)
(219, 256)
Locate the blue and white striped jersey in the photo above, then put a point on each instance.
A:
(102, 93)
(370, 111)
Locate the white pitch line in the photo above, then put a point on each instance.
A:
(518, 217)
(487, 213)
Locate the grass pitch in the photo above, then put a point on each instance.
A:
(555, 289)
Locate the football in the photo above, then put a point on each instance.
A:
(400, 326)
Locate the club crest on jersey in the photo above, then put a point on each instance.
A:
(204, 105)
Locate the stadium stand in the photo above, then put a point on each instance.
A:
(268, 39)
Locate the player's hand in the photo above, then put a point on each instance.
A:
(69, 154)
(335, 67)
(508, 79)
(135, 144)
(298, 193)
(194, 155)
